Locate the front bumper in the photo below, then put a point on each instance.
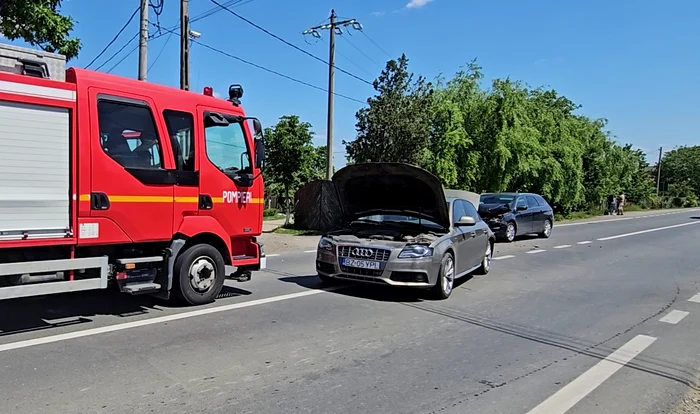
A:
(498, 227)
(416, 273)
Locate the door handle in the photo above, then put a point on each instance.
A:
(473, 234)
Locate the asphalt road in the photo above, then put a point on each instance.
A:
(558, 325)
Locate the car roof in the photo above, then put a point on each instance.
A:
(511, 194)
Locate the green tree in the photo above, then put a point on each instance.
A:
(39, 23)
(290, 155)
(396, 124)
(681, 167)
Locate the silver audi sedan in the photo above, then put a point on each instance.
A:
(401, 229)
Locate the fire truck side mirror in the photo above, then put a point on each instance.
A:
(259, 144)
(257, 127)
(259, 153)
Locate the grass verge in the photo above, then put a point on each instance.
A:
(290, 230)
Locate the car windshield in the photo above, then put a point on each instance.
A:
(496, 199)
(393, 218)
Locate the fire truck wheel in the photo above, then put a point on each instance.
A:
(199, 274)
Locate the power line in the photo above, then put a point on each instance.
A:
(123, 58)
(119, 51)
(375, 43)
(360, 50)
(170, 35)
(288, 43)
(273, 71)
(114, 38)
(201, 16)
(350, 60)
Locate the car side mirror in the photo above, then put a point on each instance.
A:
(465, 221)
(521, 208)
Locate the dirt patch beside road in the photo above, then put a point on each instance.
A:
(285, 243)
(690, 404)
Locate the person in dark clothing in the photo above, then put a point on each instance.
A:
(612, 204)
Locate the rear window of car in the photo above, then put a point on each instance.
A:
(496, 199)
(541, 200)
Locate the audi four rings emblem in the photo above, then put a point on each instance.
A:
(362, 252)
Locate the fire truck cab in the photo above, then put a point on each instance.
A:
(109, 180)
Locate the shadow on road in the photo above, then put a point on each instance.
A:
(378, 293)
(48, 312)
(694, 218)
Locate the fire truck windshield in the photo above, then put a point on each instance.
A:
(227, 148)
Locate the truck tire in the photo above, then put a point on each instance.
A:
(199, 275)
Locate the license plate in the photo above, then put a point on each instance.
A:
(362, 264)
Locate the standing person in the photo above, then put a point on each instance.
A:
(621, 204)
(612, 205)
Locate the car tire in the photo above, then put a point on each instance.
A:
(547, 229)
(446, 278)
(199, 275)
(486, 261)
(511, 232)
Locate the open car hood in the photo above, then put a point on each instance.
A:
(390, 188)
(493, 210)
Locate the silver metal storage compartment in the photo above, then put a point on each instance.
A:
(34, 171)
(32, 62)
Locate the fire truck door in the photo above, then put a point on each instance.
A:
(131, 184)
(181, 130)
(224, 164)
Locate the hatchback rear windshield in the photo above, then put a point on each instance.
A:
(496, 199)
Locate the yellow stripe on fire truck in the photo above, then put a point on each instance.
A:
(169, 199)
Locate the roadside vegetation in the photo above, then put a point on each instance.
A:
(505, 136)
(477, 135)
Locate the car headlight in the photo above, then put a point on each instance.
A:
(415, 251)
(325, 244)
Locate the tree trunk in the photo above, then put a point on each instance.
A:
(286, 202)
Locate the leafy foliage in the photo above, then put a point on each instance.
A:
(39, 23)
(508, 137)
(396, 124)
(291, 157)
(680, 171)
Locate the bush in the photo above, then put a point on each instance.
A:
(270, 212)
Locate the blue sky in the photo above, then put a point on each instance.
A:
(636, 63)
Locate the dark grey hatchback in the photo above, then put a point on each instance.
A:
(515, 214)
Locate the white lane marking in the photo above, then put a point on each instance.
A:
(648, 231)
(561, 401)
(535, 251)
(310, 251)
(585, 242)
(272, 255)
(508, 256)
(563, 246)
(674, 317)
(153, 321)
(619, 219)
(695, 298)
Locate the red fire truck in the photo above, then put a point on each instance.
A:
(106, 180)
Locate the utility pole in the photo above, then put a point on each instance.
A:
(335, 27)
(184, 45)
(143, 41)
(658, 172)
